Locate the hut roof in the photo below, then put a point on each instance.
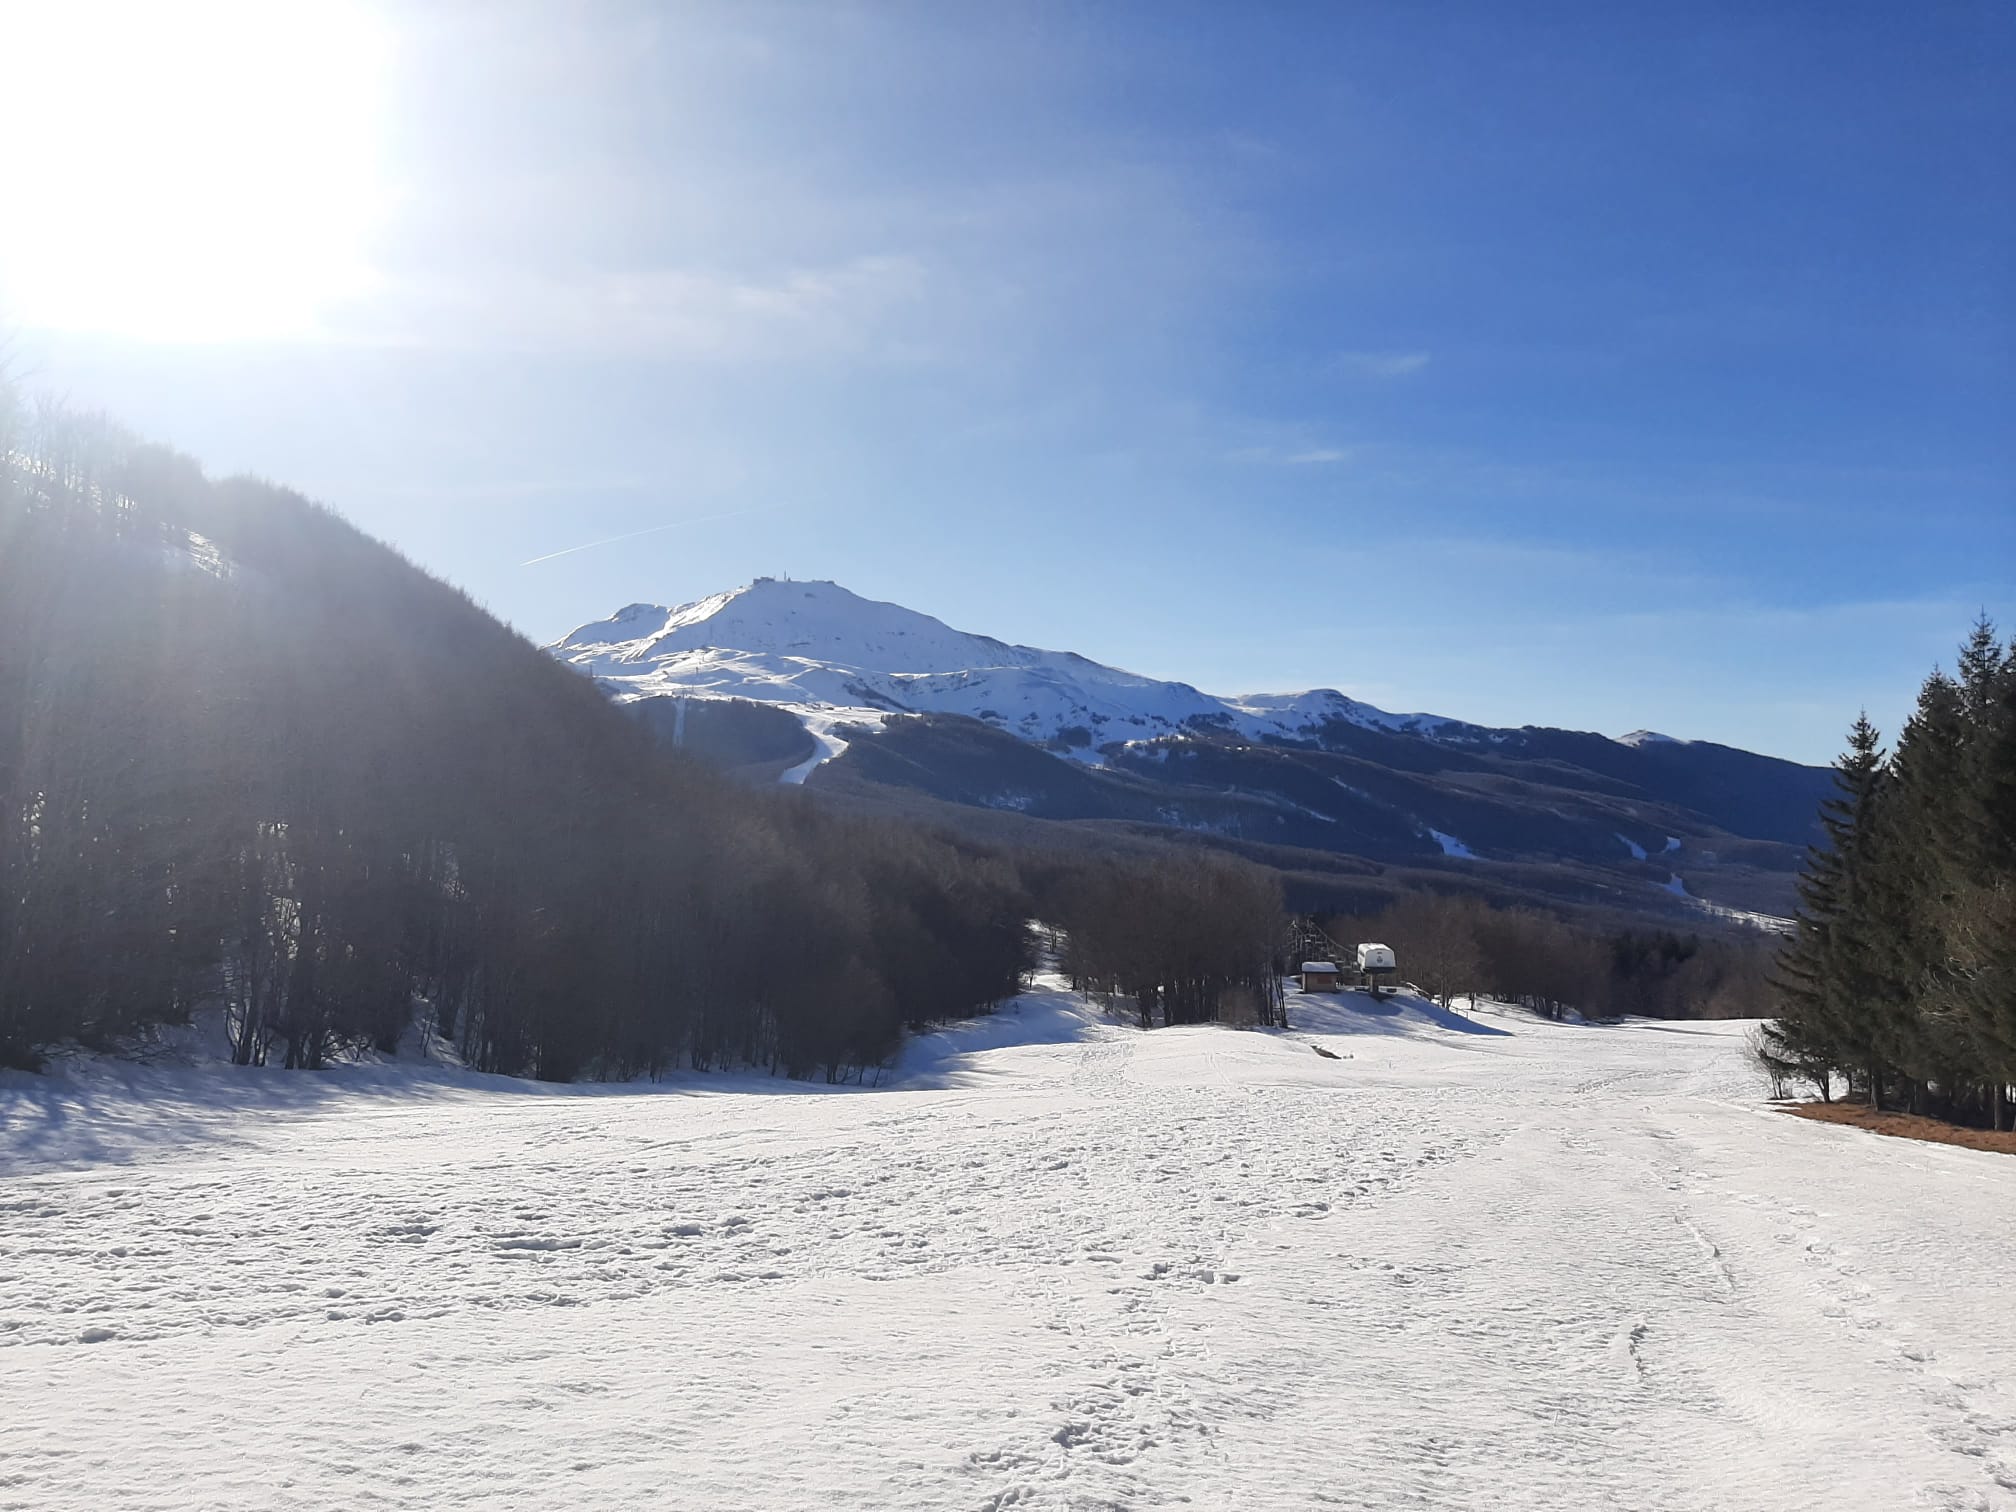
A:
(1319, 966)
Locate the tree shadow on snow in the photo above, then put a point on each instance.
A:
(110, 1113)
(1395, 1013)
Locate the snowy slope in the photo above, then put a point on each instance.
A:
(1481, 1263)
(835, 658)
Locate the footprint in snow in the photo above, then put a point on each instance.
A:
(529, 1242)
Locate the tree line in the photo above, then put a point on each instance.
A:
(255, 762)
(1191, 938)
(1900, 984)
(1455, 945)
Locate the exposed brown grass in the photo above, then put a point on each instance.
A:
(1906, 1126)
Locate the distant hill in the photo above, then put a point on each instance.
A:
(886, 698)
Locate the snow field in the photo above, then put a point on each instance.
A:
(1471, 1262)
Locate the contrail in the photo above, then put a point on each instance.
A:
(733, 514)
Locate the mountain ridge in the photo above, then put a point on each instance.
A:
(872, 698)
(891, 659)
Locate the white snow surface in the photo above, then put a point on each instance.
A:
(832, 657)
(1460, 1263)
(1453, 847)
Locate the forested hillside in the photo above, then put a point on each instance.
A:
(228, 778)
(1901, 982)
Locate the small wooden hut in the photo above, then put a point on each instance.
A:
(1319, 976)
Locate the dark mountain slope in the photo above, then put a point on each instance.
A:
(1510, 823)
(253, 762)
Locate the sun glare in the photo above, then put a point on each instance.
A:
(197, 171)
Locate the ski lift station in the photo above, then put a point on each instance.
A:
(1319, 976)
(1375, 962)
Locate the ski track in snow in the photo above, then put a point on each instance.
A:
(1490, 1263)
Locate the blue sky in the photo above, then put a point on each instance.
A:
(1593, 365)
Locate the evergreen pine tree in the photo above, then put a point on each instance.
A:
(1909, 873)
(1821, 1027)
(1973, 984)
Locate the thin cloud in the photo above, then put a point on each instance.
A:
(1380, 364)
(861, 307)
(528, 488)
(1279, 456)
(733, 514)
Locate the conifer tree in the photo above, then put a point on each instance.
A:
(1973, 984)
(1822, 1025)
(1907, 873)
(1903, 967)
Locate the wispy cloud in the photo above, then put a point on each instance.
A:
(1287, 456)
(513, 489)
(855, 307)
(632, 535)
(1379, 364)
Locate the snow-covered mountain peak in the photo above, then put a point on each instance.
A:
(835, 658)
(818, 621)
